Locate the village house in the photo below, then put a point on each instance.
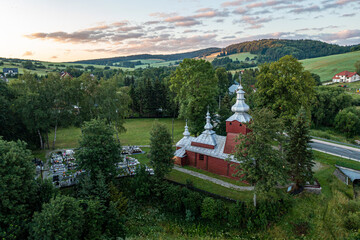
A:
(210, 151)
(10, 71)
(346, 76)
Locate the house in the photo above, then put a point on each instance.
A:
(65, 74)
(10, 71)
(212, 152)
(346, 76)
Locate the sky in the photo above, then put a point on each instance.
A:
(70, 30)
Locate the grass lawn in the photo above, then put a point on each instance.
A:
(138, 132)
(334, 160)
(327, 67)
(225, 179)
(181, 177)
(330, 133)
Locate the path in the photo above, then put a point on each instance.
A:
(213, 180)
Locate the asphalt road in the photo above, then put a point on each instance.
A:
(337, 150)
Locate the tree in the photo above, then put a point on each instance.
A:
(99, 151)
(298, 152)
(316, 77)
(260, 164)
(348, 121)
(17, 184)
(224, 113)
(327, 103)
(161, 153)
(222, 79)
(195, 86)
(284, 87)
(62, 218)
(357, 67)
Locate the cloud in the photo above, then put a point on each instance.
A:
(344, 34)
(228, 37)
(254, 22)
(116, 31)
(299, 10)
(240, 11)
(318, 29)
(338, 3)
(190, 31)
(152, 22)
(269, 3)
(234, 3)
(348, 15)
(54, 57)
(28, 53)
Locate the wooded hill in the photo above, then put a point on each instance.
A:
(273, 49)
(167, 57)
(268, 50)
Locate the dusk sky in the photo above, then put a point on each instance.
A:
(70, 30)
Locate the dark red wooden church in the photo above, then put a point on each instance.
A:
(209, 151)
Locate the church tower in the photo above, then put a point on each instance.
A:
(237, 123)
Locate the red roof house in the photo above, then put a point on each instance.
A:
(346, 76)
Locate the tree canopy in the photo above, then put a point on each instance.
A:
(99, 150)
(161, 153)
(196, 88)
(284, 87)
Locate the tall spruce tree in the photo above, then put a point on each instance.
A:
(298, 153)
(261, 162)
(161, 153)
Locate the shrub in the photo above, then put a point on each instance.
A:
(213, 210)
(237, 215)
(172, 199)
(352, 221)
(192, 202)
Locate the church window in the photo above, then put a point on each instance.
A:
(201, 157)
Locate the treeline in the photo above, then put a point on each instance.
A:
(229, 64)
(333, 107)
(269, 50)
(33, 106)
(168, 57)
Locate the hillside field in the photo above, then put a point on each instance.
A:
(49, 69)
(327, 67)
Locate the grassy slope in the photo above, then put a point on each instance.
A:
(50, 68)
(328, 66)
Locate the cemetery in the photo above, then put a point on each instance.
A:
(64, 170)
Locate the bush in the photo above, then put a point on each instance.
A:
(237, 215)
(172, 199)
(141, 183)
(213, 210)
(192, 202)
(352, 221)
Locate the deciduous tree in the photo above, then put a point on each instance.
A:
(284, 86)
(99, 150)
(195, 85)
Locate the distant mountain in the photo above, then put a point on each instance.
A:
(268, 50)
(273, 49)
(167, 57)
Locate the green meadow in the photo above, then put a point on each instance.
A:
(327, 67)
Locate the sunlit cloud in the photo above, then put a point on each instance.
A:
(28, 53)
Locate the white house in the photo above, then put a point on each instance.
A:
(346, 76)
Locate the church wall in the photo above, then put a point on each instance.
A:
(211, 164)
(236, 127)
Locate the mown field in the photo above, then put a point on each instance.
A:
(137, 132)
(328, 66)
